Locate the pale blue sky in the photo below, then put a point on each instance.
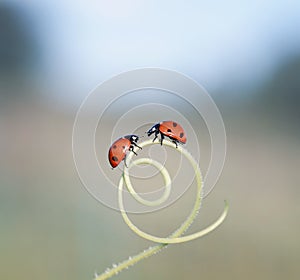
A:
(218, 43)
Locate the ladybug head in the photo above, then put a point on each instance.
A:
(134, 138)
(153, 129)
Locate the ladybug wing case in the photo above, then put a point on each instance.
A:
(173, 130)
(117, 151)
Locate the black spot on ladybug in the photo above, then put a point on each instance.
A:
(169, 130)
(114, 158)
(181, 134)
(123, 147)
(174, 124)
(114, 146)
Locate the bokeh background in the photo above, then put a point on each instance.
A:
(246, 54)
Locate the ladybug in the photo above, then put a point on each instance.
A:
(170, 129)
(119, 149)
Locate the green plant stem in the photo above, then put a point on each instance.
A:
(161, 169)
(176, 236)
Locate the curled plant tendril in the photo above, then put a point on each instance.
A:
(175, 237)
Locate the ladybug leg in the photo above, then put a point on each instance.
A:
(156, 134)
(175, 142)
(131, 148)
(136, 145)
(162, 137)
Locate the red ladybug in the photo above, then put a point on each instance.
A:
(119, 149)
(170, 129)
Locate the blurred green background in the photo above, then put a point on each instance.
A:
(247, 56)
